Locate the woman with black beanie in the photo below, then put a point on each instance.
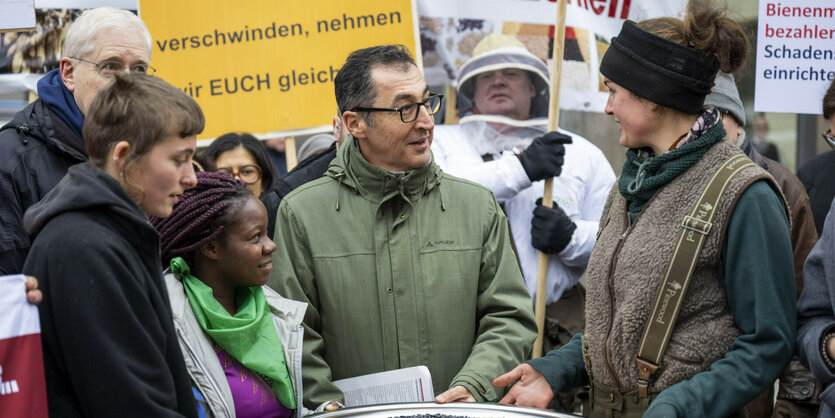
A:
(690, 306)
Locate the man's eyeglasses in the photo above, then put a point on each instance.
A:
(109, 68)
(248, 174)
(409, 112)
(829, 137)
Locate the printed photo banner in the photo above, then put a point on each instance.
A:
(795, 55)
(268, 67)
(450, 29)
(26, 55)
(37, 51)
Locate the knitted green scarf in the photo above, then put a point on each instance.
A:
(644, 174)
(249, 336)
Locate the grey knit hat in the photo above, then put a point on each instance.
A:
(315, 144)
(725, 96)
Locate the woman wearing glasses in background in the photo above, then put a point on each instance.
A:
(244, 157)
(818, 174)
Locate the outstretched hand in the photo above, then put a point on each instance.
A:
(531, 389)
(332, 406)
(455, 394)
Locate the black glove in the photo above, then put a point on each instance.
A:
(551, 228)
(544, 157)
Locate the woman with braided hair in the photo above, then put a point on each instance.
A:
(242, 341)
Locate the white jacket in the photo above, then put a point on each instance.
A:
(580, 190)
(201, 360)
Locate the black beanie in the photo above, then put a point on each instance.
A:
(659, 70)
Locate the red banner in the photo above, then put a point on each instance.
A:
(22, 386)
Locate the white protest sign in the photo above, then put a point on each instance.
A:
(795, 55)
(17, 15)
(450, 29)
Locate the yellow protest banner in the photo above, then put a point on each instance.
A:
(268, 66)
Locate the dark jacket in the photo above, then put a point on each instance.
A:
(308, 169)
(816, 312)
(818, 176)
(37, 148)
(801, 220)
(271, 200)
(108, 338)
(804, 234)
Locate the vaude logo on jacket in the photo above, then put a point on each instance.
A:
(7, 387)
(440, 242)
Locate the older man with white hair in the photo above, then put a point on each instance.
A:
(44, 139)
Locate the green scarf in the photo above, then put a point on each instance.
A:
(249, 336)
(643, 174)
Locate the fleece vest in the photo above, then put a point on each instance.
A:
(628, 264)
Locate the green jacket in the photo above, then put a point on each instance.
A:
(400, 273)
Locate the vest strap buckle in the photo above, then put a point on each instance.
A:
(645, 372)
(696, 224)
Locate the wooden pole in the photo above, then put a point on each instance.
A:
(547, 199)
(290, 152)
(451, 114)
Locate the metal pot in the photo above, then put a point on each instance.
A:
(450, 410)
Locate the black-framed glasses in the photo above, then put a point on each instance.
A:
(409, 112)
(248, 173)
(109, 67)
(829, 137)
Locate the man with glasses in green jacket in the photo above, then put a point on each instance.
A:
(401, 264)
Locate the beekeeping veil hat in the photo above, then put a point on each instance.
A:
(496, 52)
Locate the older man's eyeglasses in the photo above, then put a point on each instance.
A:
(109, 68)
(248, 174)
(829, 137)
(409, 112)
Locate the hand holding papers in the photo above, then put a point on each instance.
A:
(413, 384)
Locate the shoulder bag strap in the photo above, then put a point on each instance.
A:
(668, 301)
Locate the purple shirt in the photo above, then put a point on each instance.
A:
(252, 395)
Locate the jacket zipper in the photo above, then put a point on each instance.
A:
(297, 365)
(610, 283)
(203, 369)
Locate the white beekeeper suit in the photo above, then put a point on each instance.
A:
(580, 190)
